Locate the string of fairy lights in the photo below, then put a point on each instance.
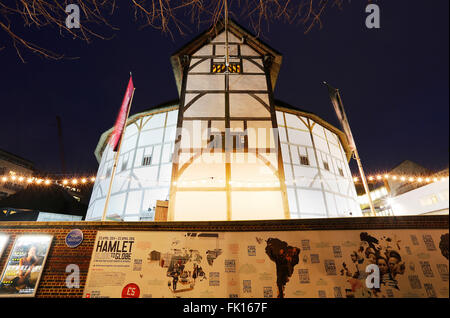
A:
(402, 178)
(13, 177)
(77, 181)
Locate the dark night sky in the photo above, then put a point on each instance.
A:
(394, 83)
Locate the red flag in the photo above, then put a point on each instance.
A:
(122, 117)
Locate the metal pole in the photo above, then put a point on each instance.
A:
(116, 159)
(227, 61)
(364, 180)
(358, 160)
(346, 126)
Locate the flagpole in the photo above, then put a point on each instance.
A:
(227, 60)
(116, 159)
(358, 160)
(342, 116)
(364, 180)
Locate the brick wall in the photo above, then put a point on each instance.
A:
(53, 279)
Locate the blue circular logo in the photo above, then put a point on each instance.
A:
(74, 238)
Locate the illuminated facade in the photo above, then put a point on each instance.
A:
(226, 150)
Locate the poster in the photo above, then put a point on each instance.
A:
(290, 264)
(3, 241)
(23, 270)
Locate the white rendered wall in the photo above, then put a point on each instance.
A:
(136, 186)
(212, 186)
(308, 197)
(314, 191)
(431, 198)
(56, 217)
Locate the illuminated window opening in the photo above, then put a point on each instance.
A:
(220, 67)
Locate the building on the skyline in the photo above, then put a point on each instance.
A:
(234, 152)
(411, 189)
(42, 203)
(10, 165)
(406, 167)
(429, 199)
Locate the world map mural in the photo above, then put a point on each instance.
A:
(284, 264)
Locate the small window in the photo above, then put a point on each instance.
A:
(217, 141)
(326, 166)
(108, 172)
(124, 165)
(304, 160)
(147, 160)
(341, 172)
(234, 67)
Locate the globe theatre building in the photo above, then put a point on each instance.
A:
(226, 149)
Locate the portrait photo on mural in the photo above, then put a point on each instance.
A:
(23, 269)
(289, 264)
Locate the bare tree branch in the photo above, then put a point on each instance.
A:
(164, 15)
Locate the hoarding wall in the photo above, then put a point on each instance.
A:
(287, 258)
